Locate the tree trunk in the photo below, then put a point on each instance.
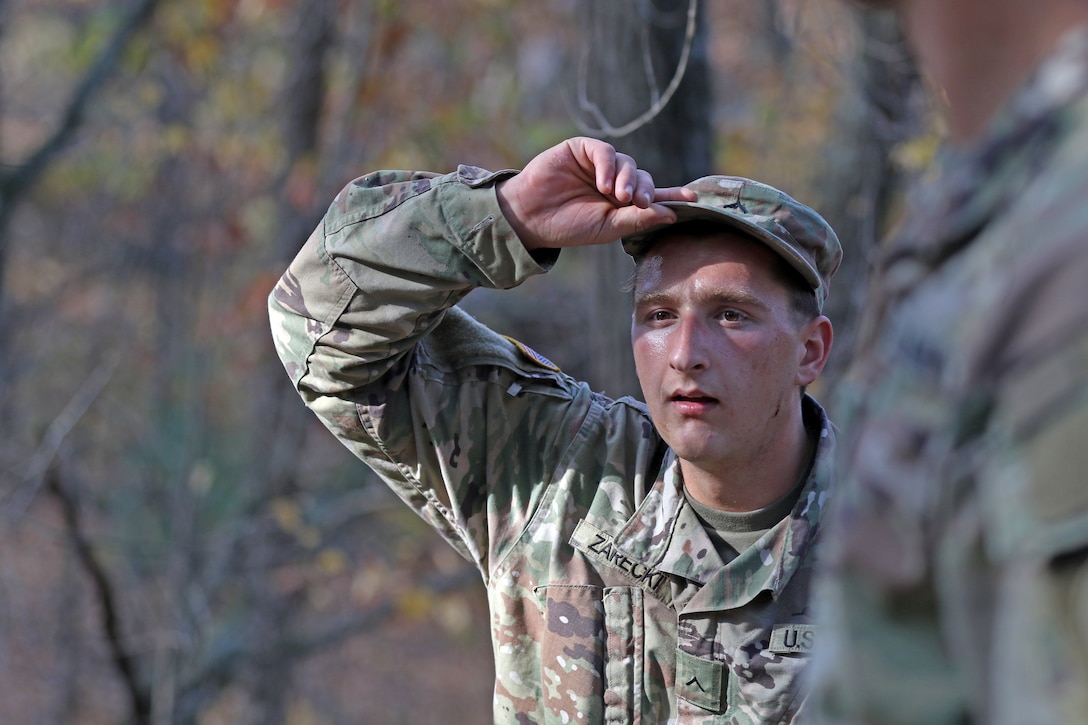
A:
(627, 63)
(860, 179)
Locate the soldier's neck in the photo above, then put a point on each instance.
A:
(754, 484)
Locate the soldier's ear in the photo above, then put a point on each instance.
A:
(814, 348)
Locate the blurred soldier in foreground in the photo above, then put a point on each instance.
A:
(958, 589)
(638, 570)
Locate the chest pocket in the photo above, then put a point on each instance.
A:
(592, 654)
(700, 682)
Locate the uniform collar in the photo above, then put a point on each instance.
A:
(667, 535)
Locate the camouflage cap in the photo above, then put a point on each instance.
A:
(793, 230)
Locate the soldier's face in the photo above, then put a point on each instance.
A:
(718, 353)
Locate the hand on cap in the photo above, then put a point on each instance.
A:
(582, 192)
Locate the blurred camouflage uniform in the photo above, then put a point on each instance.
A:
(609, 602)
(958, 588)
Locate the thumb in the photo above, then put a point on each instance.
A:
(626, 220)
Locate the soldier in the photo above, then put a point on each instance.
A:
(643, 563)
(957, 589)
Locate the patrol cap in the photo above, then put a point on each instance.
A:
(796, 232)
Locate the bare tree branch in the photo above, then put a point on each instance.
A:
(125, 661)
(15, 184)
(58, 430)
(659, 99)
(28, 172)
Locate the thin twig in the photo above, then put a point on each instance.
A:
(54, 437)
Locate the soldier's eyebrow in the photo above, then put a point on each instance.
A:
(734, 296)
(655, 297)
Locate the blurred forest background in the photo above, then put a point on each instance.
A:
(180, 541)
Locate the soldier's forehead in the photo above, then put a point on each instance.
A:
(649, 272)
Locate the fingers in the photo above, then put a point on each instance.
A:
(675, 193)
(633, 185)
(600, 159)
(616, 174)
(633, 219)
(580, 192)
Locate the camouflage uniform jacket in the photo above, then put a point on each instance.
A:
(958, 584)
(608, 600)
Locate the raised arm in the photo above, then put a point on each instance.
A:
(398, 248)
(435, 403)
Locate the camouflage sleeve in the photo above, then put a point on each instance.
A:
(441, 407)
(394, 251)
